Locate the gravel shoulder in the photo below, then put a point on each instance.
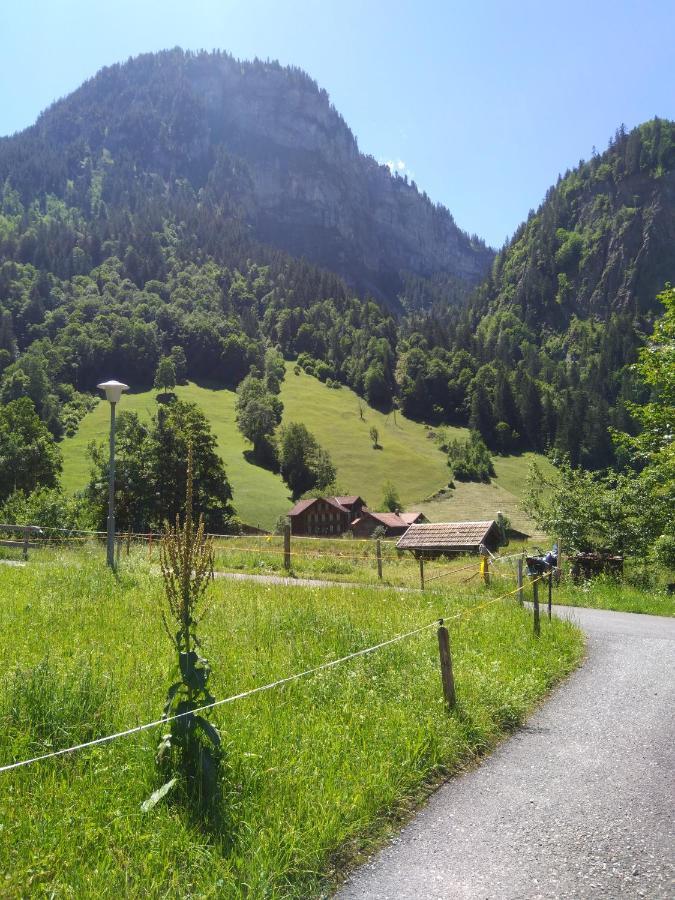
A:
(578, 803)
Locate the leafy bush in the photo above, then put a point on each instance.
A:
(470, 460)
(664, 550)
(594, 511)
(48, 507)
(391, 500)
(304, 463)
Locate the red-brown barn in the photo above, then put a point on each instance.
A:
(324, 516)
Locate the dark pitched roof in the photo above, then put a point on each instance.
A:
(439, 535)
(349, 501)
(390, 519)
(411, 517)
(302, 505)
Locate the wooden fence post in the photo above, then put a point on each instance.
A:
(128, 542)
(535, 600)
(550, 591)
(378, 551)
(149, 545)
(422, 571)
(446, 667)
(287, 547)
(25, 543)
(520, 580)
(119, 549)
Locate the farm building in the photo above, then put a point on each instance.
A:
(394, 524)
(450, 537)
(325, 515)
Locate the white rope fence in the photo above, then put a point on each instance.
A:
(256, 690)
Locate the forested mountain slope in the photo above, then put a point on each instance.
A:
(254, 142)
(540, 357)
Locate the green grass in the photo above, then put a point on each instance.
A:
(607, 593)
(319, 770)
(473, 501)
(342, 559)
(409, 457)
(642, 590)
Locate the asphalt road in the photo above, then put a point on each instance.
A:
(579, 803)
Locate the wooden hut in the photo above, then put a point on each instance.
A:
(438, 538)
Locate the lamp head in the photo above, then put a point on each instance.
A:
(113, 390)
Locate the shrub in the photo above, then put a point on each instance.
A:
(49, 508)
(470, 460)
(664, 550)
(391, 500)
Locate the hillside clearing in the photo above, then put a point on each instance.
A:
(471, 500)
(409, 457)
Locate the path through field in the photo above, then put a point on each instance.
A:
(578, 803)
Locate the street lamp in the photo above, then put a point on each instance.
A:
(113, 392)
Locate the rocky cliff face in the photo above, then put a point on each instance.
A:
(316, 195)
(301, 182)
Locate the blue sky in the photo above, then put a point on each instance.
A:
(483, 103)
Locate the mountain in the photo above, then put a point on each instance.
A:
(261, 142)
(603, 240)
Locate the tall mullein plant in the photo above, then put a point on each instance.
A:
(190, 753)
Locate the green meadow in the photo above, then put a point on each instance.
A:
(318, 771)
(408, 457)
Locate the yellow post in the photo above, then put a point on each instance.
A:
(485, 569)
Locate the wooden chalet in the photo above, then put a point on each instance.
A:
(394, 524)
(439, 538)
(325, 516)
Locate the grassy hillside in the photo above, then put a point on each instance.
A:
(408, 456)
(470, 500)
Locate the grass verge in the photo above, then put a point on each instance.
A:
(318, 769)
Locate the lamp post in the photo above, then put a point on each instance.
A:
(113, 392)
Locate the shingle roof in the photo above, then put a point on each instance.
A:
(348, 501)
(450, 535)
